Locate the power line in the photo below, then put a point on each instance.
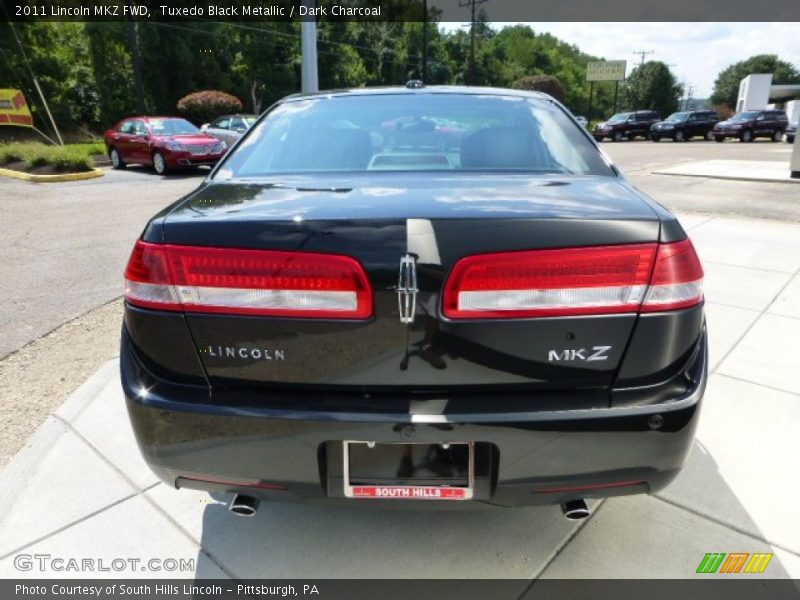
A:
(33, 77)
(377, 52)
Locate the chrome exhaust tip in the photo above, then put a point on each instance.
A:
(244, 506)
(575, 510)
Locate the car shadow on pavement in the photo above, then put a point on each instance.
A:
(192, 173)
(639, 537)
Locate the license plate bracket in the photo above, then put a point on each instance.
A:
(408, 471)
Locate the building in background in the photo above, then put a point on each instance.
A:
(757, 92)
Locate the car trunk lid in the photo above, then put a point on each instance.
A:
(379, 221)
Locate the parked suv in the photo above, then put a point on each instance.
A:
(683, 126)
(750, 124)
(626, 125)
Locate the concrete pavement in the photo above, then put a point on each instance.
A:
(80, 489)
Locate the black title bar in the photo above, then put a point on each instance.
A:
(498, 11)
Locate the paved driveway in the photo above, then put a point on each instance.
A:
(80, 489)
(65, 245)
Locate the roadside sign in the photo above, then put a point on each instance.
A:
(14, 110)
(606, 70)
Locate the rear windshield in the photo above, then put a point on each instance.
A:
(415, 132)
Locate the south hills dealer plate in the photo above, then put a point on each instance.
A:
(408, 471)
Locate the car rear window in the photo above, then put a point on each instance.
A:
(415, 132)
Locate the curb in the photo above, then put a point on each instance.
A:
(728, 177)
(52, 178)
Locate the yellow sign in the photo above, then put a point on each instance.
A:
(14, 109)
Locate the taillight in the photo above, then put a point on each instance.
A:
(574, 281)
(247, 282)
(677, 280)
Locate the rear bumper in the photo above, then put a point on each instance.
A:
(537, 457)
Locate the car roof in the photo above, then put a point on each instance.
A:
(421, 91)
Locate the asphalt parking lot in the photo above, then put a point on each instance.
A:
(76, 491)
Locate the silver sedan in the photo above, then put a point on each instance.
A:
(229, 128)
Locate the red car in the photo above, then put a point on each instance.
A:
(164, 142)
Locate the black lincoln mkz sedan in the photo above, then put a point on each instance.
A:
(421, 296)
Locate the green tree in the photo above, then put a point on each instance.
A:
(726, 86)
(541, 83)
(652, 86)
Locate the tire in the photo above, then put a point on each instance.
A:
(598, 139)
(655, 138)
(678, 136)
(160, 164)
(746, 136)
(789, 139)
(777, 135)
(719, 139)
(617, 136)
(116, 159)
(709, 135)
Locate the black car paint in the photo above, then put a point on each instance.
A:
(637, 124)
(700, 123)
(199, 418)
(765, 123)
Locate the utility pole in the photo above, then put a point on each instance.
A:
(689, 94)
(136, 55)
(425, 41)
(308, 43)
(643, 53)
(473, 5)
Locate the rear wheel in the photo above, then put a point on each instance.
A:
(159, 164)
(746, 136)
(116, 159)
(709, 135)
(777, 135)
(617, 136)
(655, 138)
(719, 139)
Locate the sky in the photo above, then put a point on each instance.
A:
(696, 52)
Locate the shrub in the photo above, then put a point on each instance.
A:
(203, 107)
(541, 83)
(70, 158)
